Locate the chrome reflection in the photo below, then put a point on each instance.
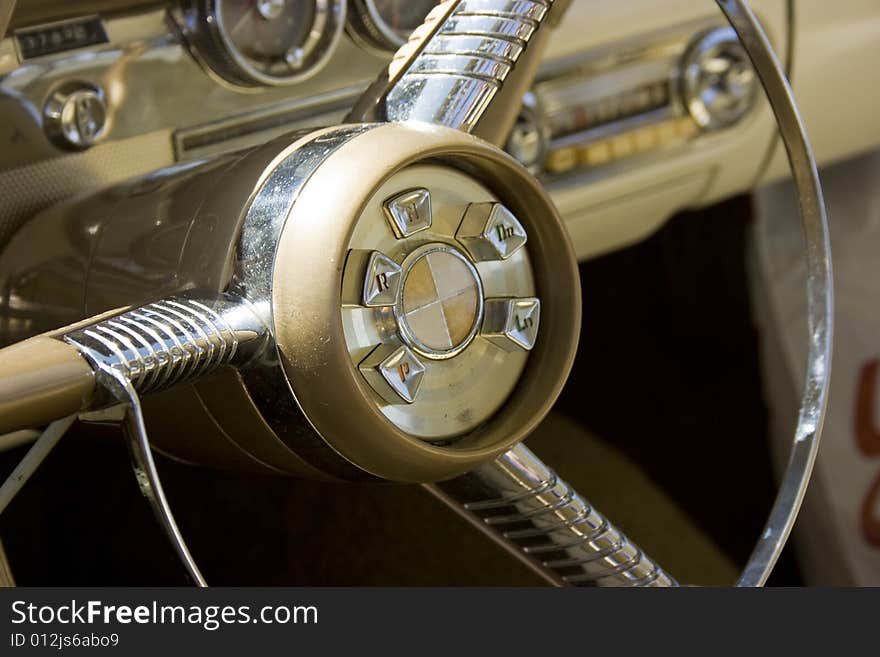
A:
(523, 502)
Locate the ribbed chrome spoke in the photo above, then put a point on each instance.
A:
(520, 501)
(467, 67)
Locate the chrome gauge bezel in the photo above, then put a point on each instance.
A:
(214, 47)
(367, 27)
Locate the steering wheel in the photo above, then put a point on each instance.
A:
(393, 299)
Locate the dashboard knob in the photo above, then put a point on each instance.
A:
(718, 83)
(75, 116)
(529, 138)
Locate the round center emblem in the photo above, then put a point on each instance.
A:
(441, 302)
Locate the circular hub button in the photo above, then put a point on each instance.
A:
(440, 307)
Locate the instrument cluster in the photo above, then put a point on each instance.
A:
(252, 43)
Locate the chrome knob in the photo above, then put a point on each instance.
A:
(75, 116)
(719, 85)
(528, 139)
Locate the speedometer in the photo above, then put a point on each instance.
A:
(267, 42)
(387, 24)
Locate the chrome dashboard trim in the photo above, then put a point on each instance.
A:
(154, 119)
(143, 99)
(237, 132)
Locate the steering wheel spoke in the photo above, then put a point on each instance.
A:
(467, 68)
(521, 503)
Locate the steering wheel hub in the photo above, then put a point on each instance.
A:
(425, 319)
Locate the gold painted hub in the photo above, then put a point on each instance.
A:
(441, 305)
(339, 273)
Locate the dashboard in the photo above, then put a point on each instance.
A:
(642, 108)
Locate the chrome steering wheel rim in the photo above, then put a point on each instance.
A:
(518, 464)
(820, 294)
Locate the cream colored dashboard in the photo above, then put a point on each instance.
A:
(832, 54)
(165, 107)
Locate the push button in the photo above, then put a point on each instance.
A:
(394, 372)
(441, 302)
(489, 231)
(382, 281)
(512, 324)
(409, 212)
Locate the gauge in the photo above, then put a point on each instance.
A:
(386, 24)
(267, 42)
